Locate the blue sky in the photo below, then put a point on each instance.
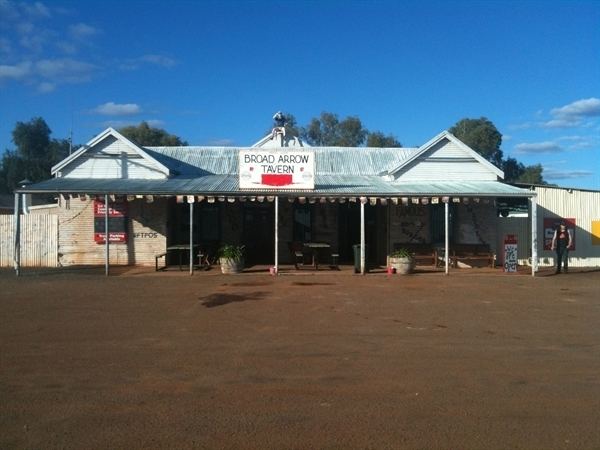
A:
(214, 72)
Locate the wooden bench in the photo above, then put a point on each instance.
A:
(471, 252)
(424, 254)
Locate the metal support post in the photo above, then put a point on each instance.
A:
(534, 246)
(446, 237)
(17, 236)
(362, 236)
(191, 234)
(106, 235)
(276, 235)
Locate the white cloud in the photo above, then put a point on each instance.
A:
(65, 70)
(66, 47)
(151, 59)
(116, 109)
(521, 126)
(563, 122)
(46, 87)
(82, 31)
(573, 114)
(15, 72)
(551, 174)
(581, 108)
(36, 9)
(157, 123)
(538, 147)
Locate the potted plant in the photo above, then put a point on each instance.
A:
(231, 258)
(402, 260)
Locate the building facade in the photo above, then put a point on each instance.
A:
(164, 196)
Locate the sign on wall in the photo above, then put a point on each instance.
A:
(117, 221)
(551, 224)
(510, 253)
(595, 232)
(277, 169)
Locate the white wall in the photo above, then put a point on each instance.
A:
(448, 162)
(111, 158)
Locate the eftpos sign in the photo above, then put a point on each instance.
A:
(277, 169)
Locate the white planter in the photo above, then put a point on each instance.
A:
(231, 265)
(403, 266)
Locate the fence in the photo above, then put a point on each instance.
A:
(39, 240)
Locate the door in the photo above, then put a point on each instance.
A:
(259, 233)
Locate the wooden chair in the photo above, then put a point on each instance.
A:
(297, 253)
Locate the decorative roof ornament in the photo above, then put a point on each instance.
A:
(280, 119)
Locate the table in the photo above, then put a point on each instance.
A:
(315, 247)
(181, 249)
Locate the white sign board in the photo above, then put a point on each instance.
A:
(277, 169)
(510, 253)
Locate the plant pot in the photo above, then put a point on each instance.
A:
(403, 266)
(231, 265)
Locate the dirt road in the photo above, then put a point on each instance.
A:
(144, 360)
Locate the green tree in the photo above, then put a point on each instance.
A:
(532, 174)
(12, 170)
(513, 169)
(34, 156)
(145, 135)
(482, 136)
(378, 139)
(327, 130)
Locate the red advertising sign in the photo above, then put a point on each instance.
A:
(117, 222)
(551, 224)
(115, 209)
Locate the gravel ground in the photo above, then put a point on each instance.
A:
(476, 360)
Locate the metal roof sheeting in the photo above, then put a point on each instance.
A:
(195, 161)
(340, 172)
(325, 185)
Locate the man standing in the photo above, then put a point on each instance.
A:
(562, 242)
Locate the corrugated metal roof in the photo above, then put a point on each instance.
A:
(325, 185)
(469, 188)
(340, 171)
(197, 161)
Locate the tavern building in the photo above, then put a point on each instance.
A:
(277, 192)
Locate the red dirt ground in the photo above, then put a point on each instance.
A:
(476, 360)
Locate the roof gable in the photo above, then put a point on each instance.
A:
(98, 140)
(430, 147)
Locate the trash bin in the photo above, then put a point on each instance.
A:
(356, 248)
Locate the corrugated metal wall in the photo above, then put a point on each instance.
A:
(39, 240)
(519, 227)
(584, 207)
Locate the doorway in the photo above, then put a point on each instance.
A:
(258, 233)
(349, 231)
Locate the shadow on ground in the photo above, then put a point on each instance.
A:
(220, 299)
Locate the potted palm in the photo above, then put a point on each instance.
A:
(231, 258)
(402, 261)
